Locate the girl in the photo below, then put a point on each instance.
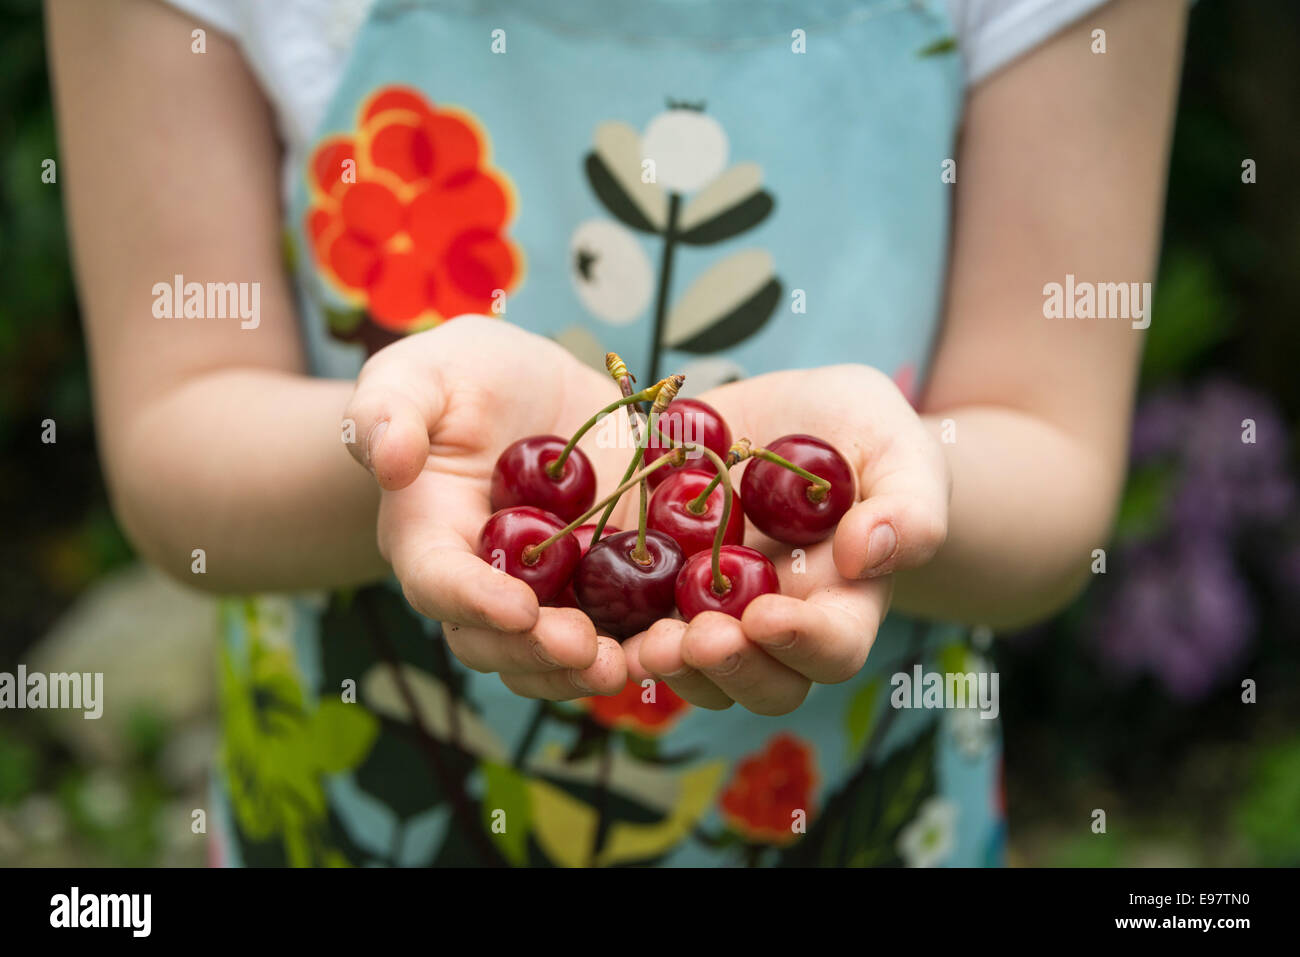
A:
(840, 220)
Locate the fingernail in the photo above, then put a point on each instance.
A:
(542, 656)
(579, 683)
(785, 643)
(518, 614)
(729, 665)
(372, 441)
(880, 546)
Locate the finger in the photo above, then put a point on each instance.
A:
(715, 645)
(445, 581)
(607, 675)
(826, 637)
(659, 652)
(636, 671)
(562, 638)
(902, 520)
(392, 427)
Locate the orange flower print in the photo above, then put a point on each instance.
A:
(406, 218)
(629, 710)
(767, 788)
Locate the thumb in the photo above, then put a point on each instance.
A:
(902, 520)
(391, 433)
(887, 533)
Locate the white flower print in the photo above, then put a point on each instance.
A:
(610, 270)
(928, 839)
(688, 147)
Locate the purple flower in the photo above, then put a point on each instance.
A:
(1159, 425)
(1180, 611)
(1179, 608)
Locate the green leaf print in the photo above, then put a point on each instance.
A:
(353, 622)
(396, 772)
(953, 659)
(939, 47)
(289, 250)
(700, 323)
(463, 846)
(567, 813)
(619, 806)
(860, 717)
(342, 738)
(277, 749)
(613, 197)
(860, 824)
(731, 222)
(506, 791)
(343, 322)
(646, 748)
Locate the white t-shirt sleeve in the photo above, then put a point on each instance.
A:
(992, 33)
(224, 15)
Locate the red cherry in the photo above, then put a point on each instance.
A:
(688, 420)
(668, 512)
(749, 573)
(566, 598)
(507, 533)
(776, 499)
(620, 595)
(520, 478)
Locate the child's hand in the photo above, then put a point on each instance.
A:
(432, 413)
(824, 622)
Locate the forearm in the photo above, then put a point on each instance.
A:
(1029, 504)
(249, 466)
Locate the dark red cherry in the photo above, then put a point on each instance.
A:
(566, 598)
(507, 533)
(668, 512)
(749, 573)
(520, 478)
(688, 420)
(776, 499)
(620, 595)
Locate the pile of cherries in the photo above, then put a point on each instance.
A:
(688, 553)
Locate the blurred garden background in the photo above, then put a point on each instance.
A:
(1131, 701)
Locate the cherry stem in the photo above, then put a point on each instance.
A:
(533, 552)
(697, 505)
(740, 450)
(819, 488)
(609, 509)
(723, 476)
(667, 392)
(720, 583)
(618, 369)
(637, 458)
(639, 554)
(553, 469)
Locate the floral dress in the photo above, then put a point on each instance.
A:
(706, 186)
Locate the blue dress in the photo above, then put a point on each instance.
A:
(708, 186)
